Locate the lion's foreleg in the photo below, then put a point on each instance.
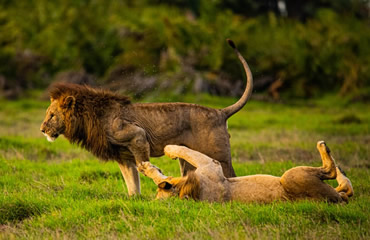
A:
(131, 176)
(133, 138)
(140, 150)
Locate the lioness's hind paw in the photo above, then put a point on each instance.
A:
(345, 184)
(344, 197)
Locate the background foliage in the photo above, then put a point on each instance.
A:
(311, 48)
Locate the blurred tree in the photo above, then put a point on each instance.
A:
(180, 45)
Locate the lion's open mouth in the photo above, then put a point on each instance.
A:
(52, 137)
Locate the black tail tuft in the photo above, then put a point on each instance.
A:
(231, 43)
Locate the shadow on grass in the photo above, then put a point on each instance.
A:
(19, 210)
(92, 176)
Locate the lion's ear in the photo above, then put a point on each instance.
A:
(68, 102)
(165, 185)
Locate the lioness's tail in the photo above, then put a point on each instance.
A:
(230, 110)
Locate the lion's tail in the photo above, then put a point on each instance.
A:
(230, 110)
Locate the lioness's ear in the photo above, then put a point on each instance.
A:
(68, 102)
(165, 185)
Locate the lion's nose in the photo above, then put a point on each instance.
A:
(42, 130)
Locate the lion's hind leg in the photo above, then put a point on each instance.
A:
(328, 169)
(344, 188)
(307, 182)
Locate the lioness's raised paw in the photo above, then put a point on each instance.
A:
(151, 171)
(146, 168)
(322, 147)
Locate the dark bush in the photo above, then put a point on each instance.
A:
(180, 46)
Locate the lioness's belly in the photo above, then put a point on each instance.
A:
(256, 188)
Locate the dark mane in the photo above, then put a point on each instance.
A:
(84, 123)
(188, 186)
(69, 89)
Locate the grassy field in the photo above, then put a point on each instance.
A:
(56, 190)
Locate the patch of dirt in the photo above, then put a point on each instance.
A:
(3, 228)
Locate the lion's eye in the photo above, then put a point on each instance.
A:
(51, 115)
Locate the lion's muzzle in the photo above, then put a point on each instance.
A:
(50, 135)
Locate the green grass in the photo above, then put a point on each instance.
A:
(56, 190)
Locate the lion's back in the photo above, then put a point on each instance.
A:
(174, 117)
(176, 123)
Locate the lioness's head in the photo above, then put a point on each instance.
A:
(166, 189)
(54, 123)
(184, 187)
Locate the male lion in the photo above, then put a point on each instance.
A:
(208, 182)
(112, 127)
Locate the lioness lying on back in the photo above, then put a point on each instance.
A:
(207, 182)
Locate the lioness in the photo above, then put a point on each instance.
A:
(112, 127)
(208, 182)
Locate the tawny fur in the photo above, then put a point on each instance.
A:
(113, 128)
(208, 182)
(184, 187)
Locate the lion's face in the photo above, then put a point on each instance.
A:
(54, 122)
